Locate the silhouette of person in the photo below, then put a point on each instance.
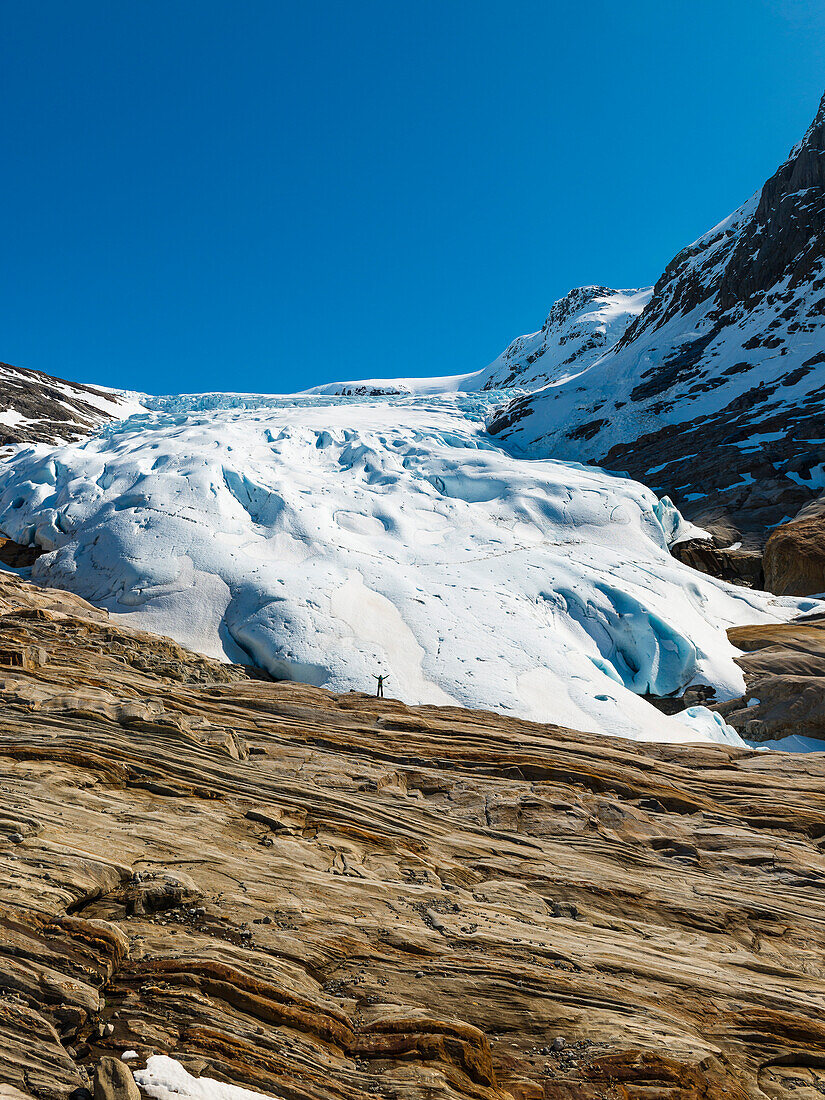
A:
(379, 691)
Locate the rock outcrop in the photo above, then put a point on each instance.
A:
(331, 896)
(17, 556)
(784, 666)
(114, 1081)
(794, 561)
(37, 408)
(715, 394)
(743, 567)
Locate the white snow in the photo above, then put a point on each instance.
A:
(165, 1079)
(331, 539)
(578, 330)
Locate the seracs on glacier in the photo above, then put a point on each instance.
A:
(330, 539)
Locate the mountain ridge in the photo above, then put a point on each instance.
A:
(710, 391)
(41, 408)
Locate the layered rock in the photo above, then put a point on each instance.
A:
(784, 666)
(331, 896)
(715, 394)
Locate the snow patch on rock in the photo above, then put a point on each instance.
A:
(165, 1079)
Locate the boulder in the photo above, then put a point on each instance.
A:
(17, 556)
(114, 1081)
(794, 561)
(784, 666)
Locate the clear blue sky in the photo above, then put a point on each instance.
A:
(258, 195)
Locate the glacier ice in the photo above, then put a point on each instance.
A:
(328, 539)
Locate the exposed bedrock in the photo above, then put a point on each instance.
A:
(333, 897)
(742, 567)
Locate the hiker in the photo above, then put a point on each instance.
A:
(379, 691)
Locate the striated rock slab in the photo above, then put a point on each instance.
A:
(331, 897)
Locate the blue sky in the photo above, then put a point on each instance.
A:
(264, 196)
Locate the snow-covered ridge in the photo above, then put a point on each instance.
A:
(579, 328)
(330, 539)
(716, 392)
(36, 407)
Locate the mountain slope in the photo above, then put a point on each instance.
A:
(37, 408)
(579, 328)
(716, 392)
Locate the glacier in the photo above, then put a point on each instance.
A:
(327, 539)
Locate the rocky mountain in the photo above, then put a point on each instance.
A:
(208, 880)
(37, 408)
(578, 330)
(715, 394)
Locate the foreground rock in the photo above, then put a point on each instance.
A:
(321, 896)
(114, 1081)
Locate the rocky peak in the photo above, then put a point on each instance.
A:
(579, 328)
(709, 394)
